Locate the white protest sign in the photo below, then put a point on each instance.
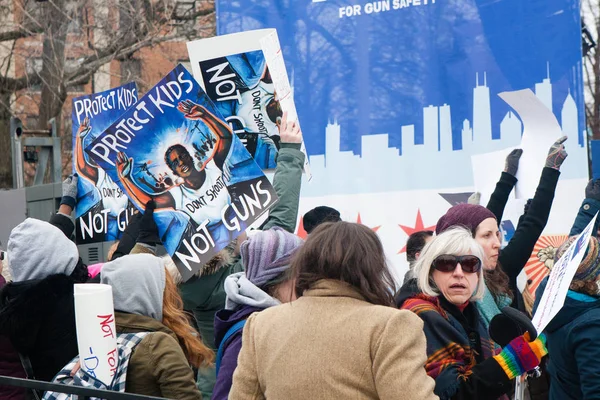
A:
(274, 58)
(487, 169)
(244, 75)
(560, 279)
(96, 332)
(540, 131)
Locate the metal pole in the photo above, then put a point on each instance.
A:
(16, 129)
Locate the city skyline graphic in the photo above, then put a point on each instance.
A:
(437, 157)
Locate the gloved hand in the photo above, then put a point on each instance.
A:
(592, 190)
(512, 162)
(129, 236)
(148, 229)
(69, 191)
(521, 355)
(557, 154)
(475, 198)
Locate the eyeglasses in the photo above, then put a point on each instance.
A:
(448, 263)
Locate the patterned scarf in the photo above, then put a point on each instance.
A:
(126, 342)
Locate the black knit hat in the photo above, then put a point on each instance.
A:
(319, 215)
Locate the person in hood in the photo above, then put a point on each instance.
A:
(572, 335)
(204, 293)
(503, 266)
(266, 282)
(36, 309)
(460, 354)
(146, 300)
(342, 338)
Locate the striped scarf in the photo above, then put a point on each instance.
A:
(451, 356)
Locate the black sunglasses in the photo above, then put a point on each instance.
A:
(448, 263)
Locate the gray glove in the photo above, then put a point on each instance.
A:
(474, 198)
(69, 191)
(592, 190)
(512, 162)
(557, 154)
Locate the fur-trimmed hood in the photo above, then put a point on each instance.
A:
(222, 259)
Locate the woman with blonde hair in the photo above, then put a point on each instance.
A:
(460, 354)
(342, 338)
(146, 300)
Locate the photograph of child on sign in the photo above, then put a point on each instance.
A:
(173, 147)
(243, 91)
(102, 210)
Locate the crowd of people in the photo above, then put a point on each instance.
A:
(274, 316)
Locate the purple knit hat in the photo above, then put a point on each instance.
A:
(467, 215)
(267, 254)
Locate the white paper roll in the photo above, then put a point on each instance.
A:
(96, 332)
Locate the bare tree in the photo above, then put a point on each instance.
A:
(48, 48)
(590, 14)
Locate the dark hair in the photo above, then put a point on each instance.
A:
(80, 274)
(274, 110)
(415, 244)
(346, 252)
(319, 215)
(180, 149)
(497, 283)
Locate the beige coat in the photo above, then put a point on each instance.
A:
(332, 344)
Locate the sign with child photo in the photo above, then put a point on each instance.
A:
(174, 147)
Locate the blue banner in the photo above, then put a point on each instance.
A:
(395, 96)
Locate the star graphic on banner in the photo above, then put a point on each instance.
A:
(301, 232)
(419, 226)
(359, 221)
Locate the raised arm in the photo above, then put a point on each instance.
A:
(221, 130)
(137, 195)
(83, 168)
(505, 185)
(516, 254)
(288, 178)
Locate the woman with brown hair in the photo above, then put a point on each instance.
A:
(342, 338)
(503, 266)
(146, 300)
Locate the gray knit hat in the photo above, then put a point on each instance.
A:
(267, 254)
(38, 249)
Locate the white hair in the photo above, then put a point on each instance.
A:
(455, 241)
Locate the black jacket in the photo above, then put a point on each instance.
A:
(459, 341)
(39, 318)
(517, 252)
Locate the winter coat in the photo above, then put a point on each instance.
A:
(517, 252)
(158, 366)
(224, 320)
(39, 318)
(10, 365)
(587, 211)
(332, 344)
(459, 349)
(243, 299)
(573, 347)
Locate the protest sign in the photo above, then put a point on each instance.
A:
(102, 209)
(96, 333)
(560, 279)
(245, 75)
(175, 148)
